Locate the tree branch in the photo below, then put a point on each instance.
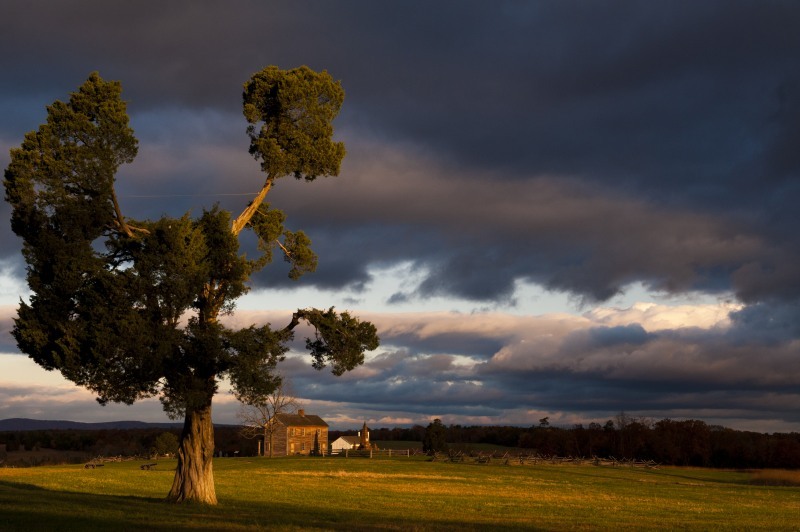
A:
(294, 323)
(240, 222)
(120, 219)
(123, 225)
(301, 314)
(283, 248)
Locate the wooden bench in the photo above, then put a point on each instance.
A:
(92, 465)
(145, 467)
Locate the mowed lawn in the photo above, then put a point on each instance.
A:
(398, 494)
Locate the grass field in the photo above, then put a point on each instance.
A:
(399, 494)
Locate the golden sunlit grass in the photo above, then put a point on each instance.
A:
(354, 474)
(400, 494)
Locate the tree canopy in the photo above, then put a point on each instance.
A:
(435, 437)
(129, 308)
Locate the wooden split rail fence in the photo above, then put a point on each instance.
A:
(536, 459)
(372, 453)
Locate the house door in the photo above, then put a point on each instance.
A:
(291, 448)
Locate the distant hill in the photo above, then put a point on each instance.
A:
(21, 424)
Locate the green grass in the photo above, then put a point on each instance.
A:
(395, 494)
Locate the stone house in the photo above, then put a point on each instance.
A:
(298, 434)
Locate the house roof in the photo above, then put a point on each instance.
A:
(296, 420)
(352, 440)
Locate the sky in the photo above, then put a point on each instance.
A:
(548, 209)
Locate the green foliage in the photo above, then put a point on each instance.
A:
(59, 182)
(60, 179)
(267, 224)
(435, 437)
(166, 443)
(228, 272)
(165, 269)
(290, 113)
(339, 339)
(251, 372)
(111, 296)
(299, 254)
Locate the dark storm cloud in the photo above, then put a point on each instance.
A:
(681, 108)
(772, 323)
(474, 236)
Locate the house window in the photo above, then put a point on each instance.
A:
(303, 446)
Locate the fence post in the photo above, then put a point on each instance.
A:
(370, 453)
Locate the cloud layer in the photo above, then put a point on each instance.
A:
(579, 148)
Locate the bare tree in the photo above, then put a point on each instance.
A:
(258, 419)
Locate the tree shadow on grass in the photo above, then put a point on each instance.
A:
(26, 507)
(29, 507)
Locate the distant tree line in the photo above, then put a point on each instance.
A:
(115, 442)
(684, 443)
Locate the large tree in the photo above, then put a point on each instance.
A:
(130, 309)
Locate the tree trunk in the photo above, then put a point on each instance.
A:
(194, 476)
